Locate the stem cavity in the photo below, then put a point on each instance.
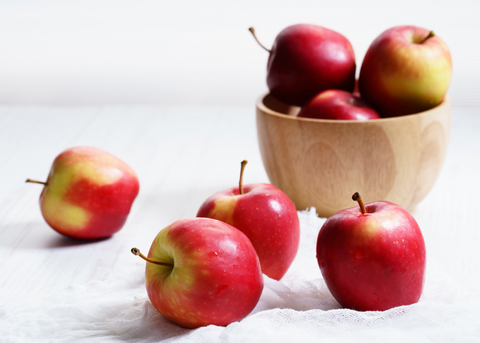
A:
(137, 252)
(358, 198)
(430, 34)
(252, 30)
(240, 183)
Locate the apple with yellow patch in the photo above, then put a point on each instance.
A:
(407, 69)
(266, 215)
(201, 272)
(88, 193)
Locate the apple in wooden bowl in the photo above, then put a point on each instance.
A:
(318, 162)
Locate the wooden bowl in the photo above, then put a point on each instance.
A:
(321, 163)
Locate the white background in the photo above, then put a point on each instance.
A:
(97, 52)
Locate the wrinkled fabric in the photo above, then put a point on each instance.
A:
(298, 308)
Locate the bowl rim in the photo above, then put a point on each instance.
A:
(445, 104)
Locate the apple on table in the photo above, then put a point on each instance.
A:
(88, 193)
(338, 105)
(372, 257)
(407, 69)
(201, 272)
(265, 215)
(307, 59)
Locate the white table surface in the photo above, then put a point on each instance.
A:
(182, 155)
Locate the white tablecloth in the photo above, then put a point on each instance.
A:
(53, 289)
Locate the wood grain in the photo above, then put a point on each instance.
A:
(321, 163)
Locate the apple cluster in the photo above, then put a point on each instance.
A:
(208, 269)
(216, 259)
(406, 70)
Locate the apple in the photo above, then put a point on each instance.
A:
(88, 193)
(202, 271)
(307, 59)
(266, 215)
(337, 104)
(407, 69)
(372, 257)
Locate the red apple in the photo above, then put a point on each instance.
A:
(266, 215)
(307, 59)
(337, 104)
(202, 272)
(88, 193)
(373, 257)
(407, 69)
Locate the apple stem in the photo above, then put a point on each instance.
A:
(240, 183)
(430, 34)
(137, 252)
(35, 181)
(252, 30)
(358, 198)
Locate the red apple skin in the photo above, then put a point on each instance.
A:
(373, 261)
(89, 193)
(337, 105)
(215, 278)
(267, 216)
(307, 59)
(402, 75)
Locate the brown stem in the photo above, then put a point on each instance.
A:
(35, 181)
(137, 252)
(240, 183)
(358, 198)
(252, 30)
(430, 34)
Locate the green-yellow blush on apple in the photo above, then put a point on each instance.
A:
(201, 272)
(406, 70)
(88, 193)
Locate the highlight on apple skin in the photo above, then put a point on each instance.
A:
(88, 193)
(406, 70)
(373, 256)
(201, 272)
(266, 215)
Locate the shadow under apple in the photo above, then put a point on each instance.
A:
(37, 235)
